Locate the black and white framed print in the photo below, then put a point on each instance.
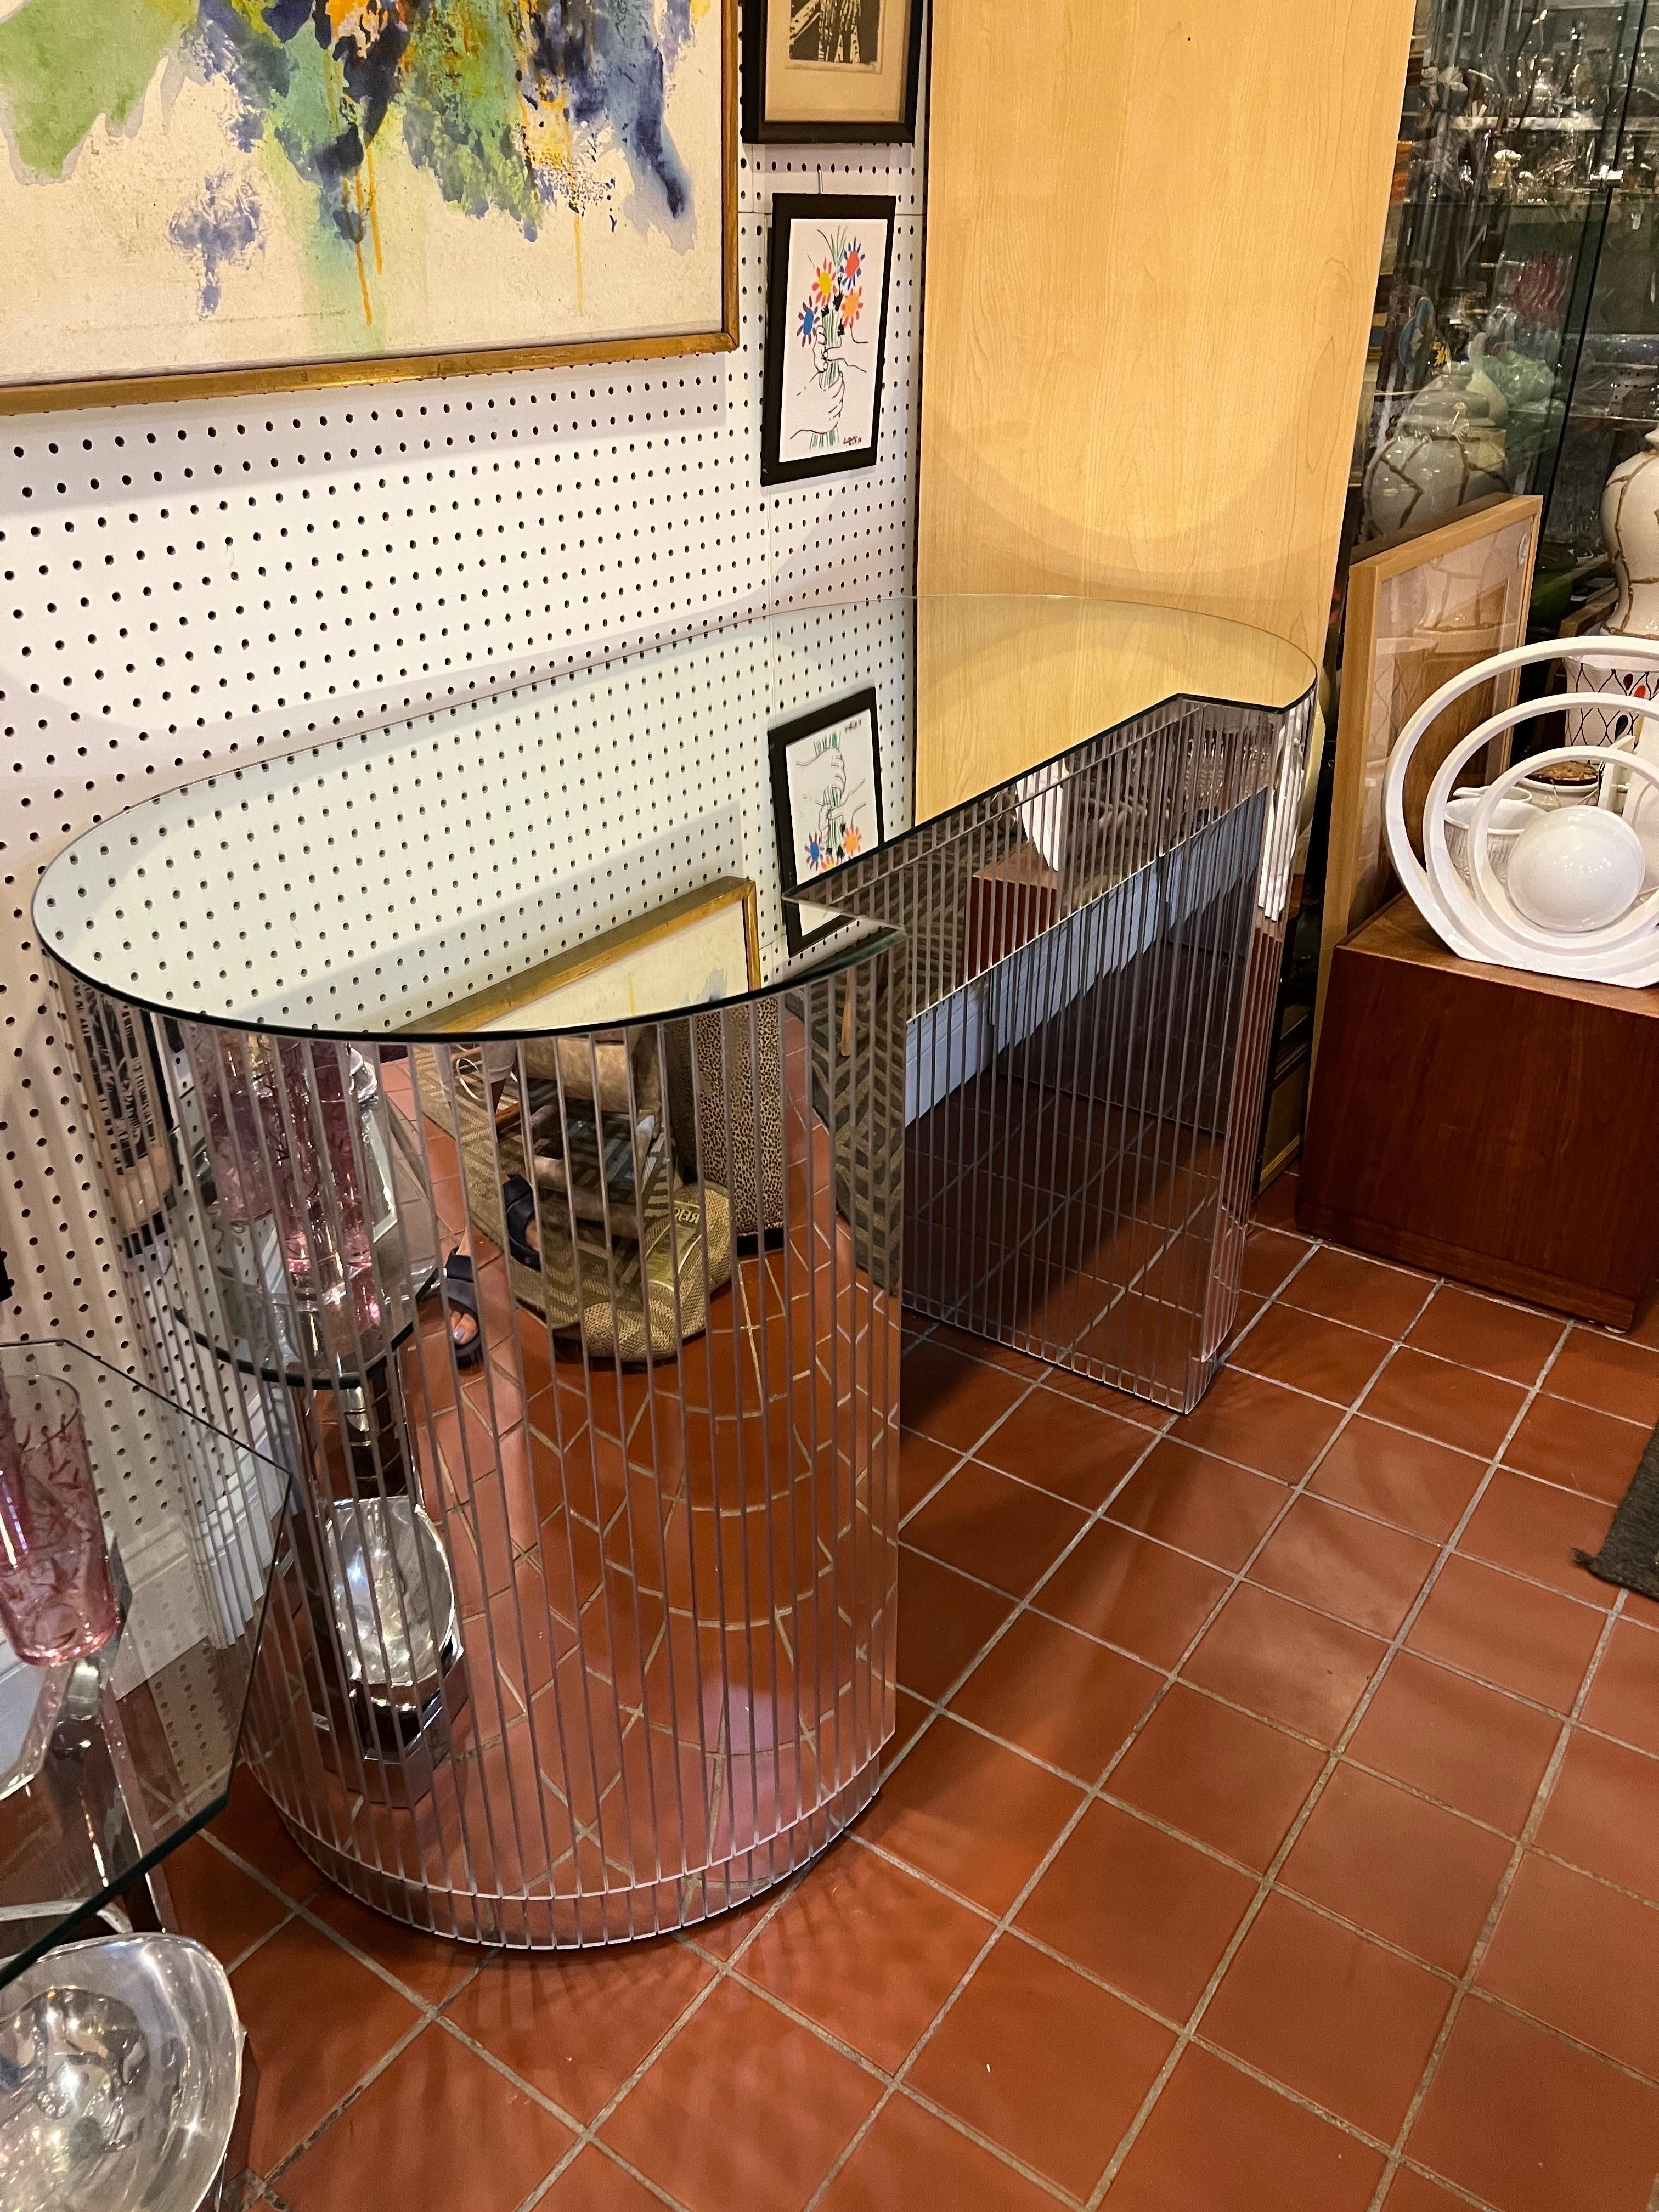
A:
(826, 335)
(827, 72)
(826, 801)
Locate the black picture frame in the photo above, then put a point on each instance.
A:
(781, 740)
(759, 129)
(789, 208)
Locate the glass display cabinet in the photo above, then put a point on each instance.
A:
(117, 1743)
(1515, 345)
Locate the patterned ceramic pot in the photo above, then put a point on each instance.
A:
(1447, 450)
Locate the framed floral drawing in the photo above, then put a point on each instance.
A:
(823, 72)
(826, 335)
(826, 802)
(209, 195)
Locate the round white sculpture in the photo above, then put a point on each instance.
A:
(1601, 913)
(1580, 868)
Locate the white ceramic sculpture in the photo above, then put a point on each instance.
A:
(1630, 523)
(1581, 905)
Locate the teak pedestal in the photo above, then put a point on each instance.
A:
(1498, 1126)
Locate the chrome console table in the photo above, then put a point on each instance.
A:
(595, 1638)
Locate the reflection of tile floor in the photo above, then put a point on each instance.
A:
(1277, 1831)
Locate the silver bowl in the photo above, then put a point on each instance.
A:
(394, 1597)
(120, 2069)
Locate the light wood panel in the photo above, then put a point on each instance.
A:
(1153, 234)
(1003, 683)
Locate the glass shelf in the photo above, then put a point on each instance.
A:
(135, 1746)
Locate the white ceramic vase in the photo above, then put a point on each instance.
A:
(1630, 523)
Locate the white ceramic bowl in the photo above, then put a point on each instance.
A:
(1578, 868)
(1509, 817)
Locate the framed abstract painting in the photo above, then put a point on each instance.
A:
(826, 335)
(220, 195)
(824, 72)
(826, 802)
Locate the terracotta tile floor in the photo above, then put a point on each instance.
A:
(1274, 1827)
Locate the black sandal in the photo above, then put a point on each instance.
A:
(518, 1208)
(461, 1290)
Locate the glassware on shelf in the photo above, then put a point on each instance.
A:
(1517, 128)
(57, 1599)
(300, 1140)
(107, 1762)
(1447, 449)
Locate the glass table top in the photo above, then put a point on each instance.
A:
(355, 887)
(107, 1762)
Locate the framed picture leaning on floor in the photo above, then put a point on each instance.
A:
(826, 802)
(825, 72)
(826, 335)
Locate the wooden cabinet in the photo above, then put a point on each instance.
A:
(1490, 1124)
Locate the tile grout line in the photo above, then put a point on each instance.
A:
(1483, 1941)
(1090, 1796)
(1445, 1550)
(1268, 1879)
(1395, 1345)
(728, 1968)
(1212, 1853)
(1354, 1410)
(1269, 1590)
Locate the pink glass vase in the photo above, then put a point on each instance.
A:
(57, 1598)
(265, 1098)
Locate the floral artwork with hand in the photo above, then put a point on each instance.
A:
(827, 327)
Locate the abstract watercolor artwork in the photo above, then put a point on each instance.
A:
(826, 801)
(831, 70)
(284, 191)
(826, 335)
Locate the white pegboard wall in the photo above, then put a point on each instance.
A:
(188, 584)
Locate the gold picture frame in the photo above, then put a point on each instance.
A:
(531, 1001)
(40, 394)
(1423, 606)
